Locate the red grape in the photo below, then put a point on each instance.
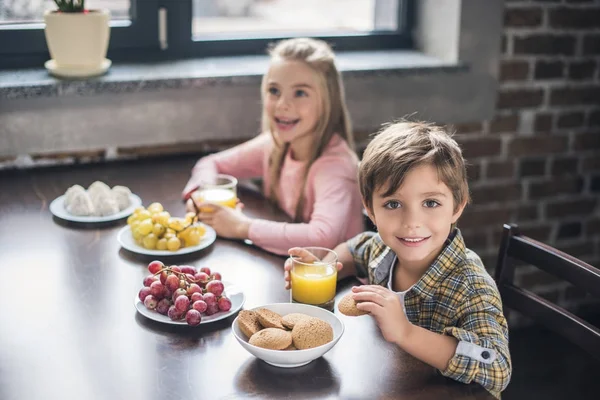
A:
(210, 310)
(201, 278)
(210, 299)
(163, 276)
(206, 270)
(188, 269)
(155, 266)
(190, 278)
(150, 302)
(193, 317)
(175, 268)
(182, 303)
(216, 275)
(156, 289)
(149, 279)
(163, 306)
(174, 314)
(196, 296)
(193, 288)
(145, 291)
(224, 304)
(172, 282)
(177, 293)
(200, 306)
(215, 287)
(182, 284)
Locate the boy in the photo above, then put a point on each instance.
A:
(428, 293)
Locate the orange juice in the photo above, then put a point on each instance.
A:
(313, 284)
(224, 197)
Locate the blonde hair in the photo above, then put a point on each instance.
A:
(334, 115)
(400, 147)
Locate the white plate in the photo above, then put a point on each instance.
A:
(234, 293)
(126, 240)
(57, 208)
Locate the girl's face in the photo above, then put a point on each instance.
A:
(292, 100)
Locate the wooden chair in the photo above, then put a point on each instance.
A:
(515, 246)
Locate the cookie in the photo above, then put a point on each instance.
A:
(268, 318)
(347, 306)
(248, 323)
(292, 319)
(290, 347)
(311, 332)
(272, 339)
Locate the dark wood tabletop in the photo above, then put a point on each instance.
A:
(69, 328)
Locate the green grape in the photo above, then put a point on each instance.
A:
(161, 244)
(150, 241)
(145, 227)
(136, 234)
(145, 214)
(158, 230)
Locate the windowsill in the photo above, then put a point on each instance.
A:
(130, 78)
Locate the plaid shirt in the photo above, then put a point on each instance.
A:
(456, 297)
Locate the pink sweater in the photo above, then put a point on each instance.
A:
(332, 207)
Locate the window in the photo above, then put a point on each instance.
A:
(201, 28)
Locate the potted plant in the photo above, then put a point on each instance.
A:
(77, 39)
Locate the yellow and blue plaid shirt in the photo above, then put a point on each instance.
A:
(456, 297)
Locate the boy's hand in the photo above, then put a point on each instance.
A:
(227, 222)
(304, 256)
(384, 305)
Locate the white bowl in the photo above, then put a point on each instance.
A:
(292, 358)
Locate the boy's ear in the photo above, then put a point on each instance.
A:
(369, 213)
(458, 212)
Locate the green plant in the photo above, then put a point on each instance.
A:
(70, 6)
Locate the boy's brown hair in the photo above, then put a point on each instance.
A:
(401, 146)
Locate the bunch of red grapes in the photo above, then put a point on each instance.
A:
(182, 292)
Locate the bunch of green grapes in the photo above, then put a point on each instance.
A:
(154, 229)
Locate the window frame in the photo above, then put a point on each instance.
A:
(24, 45)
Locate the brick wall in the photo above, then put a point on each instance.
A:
(537, 162)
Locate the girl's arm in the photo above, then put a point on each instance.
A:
(242, 161)
(336, 205)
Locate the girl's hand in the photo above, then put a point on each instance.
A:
(384, 305)
(227, 222)
(304, 256)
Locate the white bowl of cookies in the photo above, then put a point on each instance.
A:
(287, 335)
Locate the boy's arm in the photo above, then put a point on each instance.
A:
(347, 261)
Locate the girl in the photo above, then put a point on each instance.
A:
(304, 155)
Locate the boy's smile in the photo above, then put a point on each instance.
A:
(416, 219)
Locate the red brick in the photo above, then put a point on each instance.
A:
(577, 250)
(475, 239)
(523, 17)
(520, 98)
(564, 166)
(543, 122)
(591, 44)
(501, 169)
(572, 119)
(537, 145)
(574, 18)
(526, 213)
(481, 147)
(568, 208)
(595, 184)
(479, 219)
(532, 167)
(538, 232)
(569, 230)
(575, 95)
(549, 69)
(587, 141)
(473, 172)
(591, 163)
(555, 187)
(580, 70)
(592, 227)
(496, 193)
(504, 123)
(468, 127)
(514, 70)
(545, 44)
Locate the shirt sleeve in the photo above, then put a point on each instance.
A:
(482, 355)
(360, 247)
(242, 161)
(336, 202)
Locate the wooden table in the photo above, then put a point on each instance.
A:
(69, 329)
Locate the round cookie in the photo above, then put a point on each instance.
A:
(290, 347)
(268, 318)
(292, 319)
(311, 332)
(271, 338)
(248, 323)
(347, 306)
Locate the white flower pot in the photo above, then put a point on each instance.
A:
(78, 41)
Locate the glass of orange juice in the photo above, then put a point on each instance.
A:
(223, 191)
(314, 277)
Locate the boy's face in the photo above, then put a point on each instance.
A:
(415, 221)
